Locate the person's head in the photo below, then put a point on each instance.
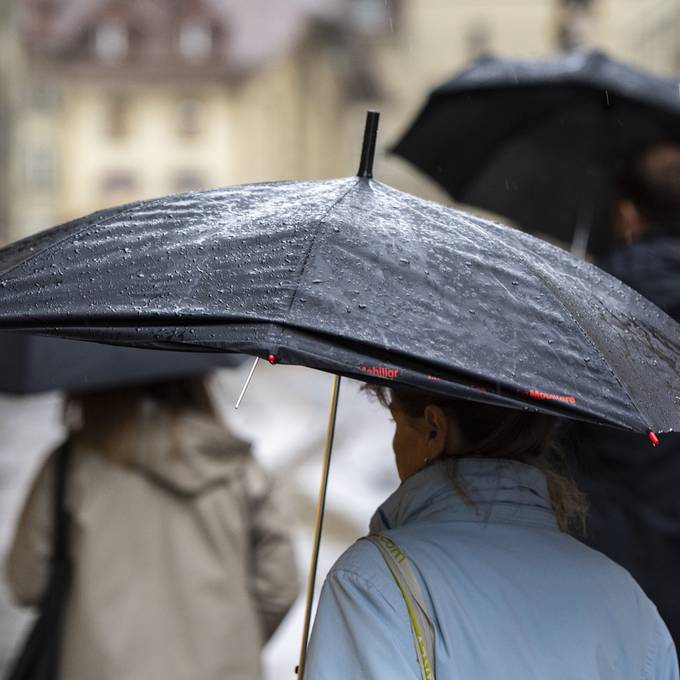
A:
(430, 427)
(648, 193)
(110, 419)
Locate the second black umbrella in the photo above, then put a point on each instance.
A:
(540, 142)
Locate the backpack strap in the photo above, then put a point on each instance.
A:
(421, 625)
(61, 534)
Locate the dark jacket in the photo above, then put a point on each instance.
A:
(634, 515)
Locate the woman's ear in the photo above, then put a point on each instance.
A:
(437, 431)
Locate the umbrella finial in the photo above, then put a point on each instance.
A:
(368, 149)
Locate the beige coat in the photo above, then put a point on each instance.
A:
(183, 563)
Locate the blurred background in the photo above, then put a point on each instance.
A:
(108, 101)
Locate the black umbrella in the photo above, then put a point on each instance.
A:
(358, 279)
(33, 363)
(354, 277)
(541, 141)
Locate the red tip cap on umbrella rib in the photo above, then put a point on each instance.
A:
(654, 439)
(271, 359)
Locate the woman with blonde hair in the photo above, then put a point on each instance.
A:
(469, 572)
(182, 562)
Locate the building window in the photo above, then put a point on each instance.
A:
(189, 180)
(41, 169)
(111, 42)
(189, 117)
(117, 115)
(195, 41)
(118, 183)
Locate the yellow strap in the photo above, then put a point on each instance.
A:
(396, 560)
(423, 660)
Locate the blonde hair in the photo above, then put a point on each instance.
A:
(495, 432)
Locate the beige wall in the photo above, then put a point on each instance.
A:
(281, 124)
(645, 32)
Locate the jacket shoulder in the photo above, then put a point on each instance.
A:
(362, 562)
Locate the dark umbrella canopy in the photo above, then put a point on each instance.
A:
(32, 363)
(354, 277)
(540, 142)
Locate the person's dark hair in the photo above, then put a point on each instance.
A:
(650, 178)
(179, 394)
(109, 419)
(496, 432)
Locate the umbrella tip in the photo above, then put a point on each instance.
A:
(272, 359)
(368, 148)
(654, 439)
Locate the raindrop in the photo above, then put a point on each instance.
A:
(515, 283)
(140, 275)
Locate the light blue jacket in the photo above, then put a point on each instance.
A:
(511, 597)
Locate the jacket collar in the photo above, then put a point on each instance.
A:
(469, 490)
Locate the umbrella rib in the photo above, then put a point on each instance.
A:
(585, 335)
(311, 248)
(510, 248)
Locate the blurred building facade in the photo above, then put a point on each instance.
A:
(122, 100)
(105, 101)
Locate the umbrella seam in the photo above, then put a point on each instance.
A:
(554, 292)
(311, 248)
(586, 336)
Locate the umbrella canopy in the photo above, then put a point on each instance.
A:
(540, 142)
(356, 278)
(32, 363)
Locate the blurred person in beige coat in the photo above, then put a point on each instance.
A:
(183, 564)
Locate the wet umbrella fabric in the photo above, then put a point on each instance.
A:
(356, 278)
(540, 142)
(30, 364)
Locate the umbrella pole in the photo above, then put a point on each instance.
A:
(320, 509)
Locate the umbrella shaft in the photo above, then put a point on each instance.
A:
(320, 509)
